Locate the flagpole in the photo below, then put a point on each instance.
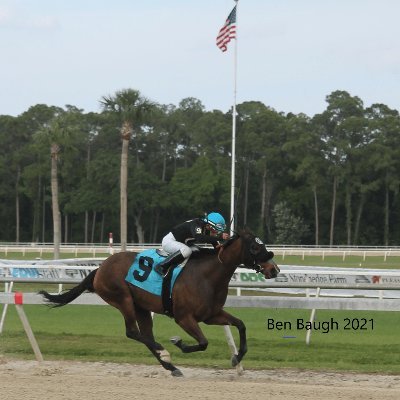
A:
(233, 160)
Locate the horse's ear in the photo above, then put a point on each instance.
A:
(246, 230)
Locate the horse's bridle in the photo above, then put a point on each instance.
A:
(252, 251)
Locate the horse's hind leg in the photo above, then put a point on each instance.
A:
(145, 322)
(190, 325)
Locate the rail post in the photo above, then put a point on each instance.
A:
(18, 300)
(110, 243)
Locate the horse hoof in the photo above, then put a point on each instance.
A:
(176, 373)
(175, 340)
(234, 360)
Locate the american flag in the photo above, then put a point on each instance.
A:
(228, 31)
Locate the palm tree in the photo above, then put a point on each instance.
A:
(130, 107)
(59, 133)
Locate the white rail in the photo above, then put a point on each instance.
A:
(245, 302)
(290, 277)
(101, 249)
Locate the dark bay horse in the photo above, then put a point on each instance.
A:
(199, 294)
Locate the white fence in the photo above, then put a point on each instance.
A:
(101, 249)
(307, 303)
(383, 283)
(290, 277)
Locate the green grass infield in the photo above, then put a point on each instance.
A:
(342, 340)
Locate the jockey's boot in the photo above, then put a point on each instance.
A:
(173, 259)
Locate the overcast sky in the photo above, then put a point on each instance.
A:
(291, 53)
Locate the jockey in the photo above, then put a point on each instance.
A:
(209, 229)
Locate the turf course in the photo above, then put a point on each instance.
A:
(96, 333)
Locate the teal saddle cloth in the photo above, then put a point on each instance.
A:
(141, 273)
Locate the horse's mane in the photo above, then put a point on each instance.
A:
(203, 252)
(206, 251)
(212, 251)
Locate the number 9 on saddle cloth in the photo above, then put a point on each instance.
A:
(142, 272)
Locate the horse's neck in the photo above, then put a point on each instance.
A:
(216, 269)
(220, 266)
(228, 262)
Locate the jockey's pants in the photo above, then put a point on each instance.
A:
(171, 245)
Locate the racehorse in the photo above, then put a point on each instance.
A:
(199, 294)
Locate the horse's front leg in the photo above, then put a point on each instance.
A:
(224, 318)
(191, 326)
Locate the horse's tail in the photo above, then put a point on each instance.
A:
(64, 298)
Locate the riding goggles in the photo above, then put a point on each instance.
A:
(217, 227)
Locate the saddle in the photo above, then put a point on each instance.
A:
(142, 274)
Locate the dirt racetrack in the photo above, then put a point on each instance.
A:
(66, 380)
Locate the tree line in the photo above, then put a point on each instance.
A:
(137, 167)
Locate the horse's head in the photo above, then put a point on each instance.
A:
(256, 256)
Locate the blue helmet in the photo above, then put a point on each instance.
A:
(216, 220)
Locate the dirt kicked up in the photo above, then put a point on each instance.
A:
(66, 380)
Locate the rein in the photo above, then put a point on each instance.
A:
(221, 249)
(225, 244)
